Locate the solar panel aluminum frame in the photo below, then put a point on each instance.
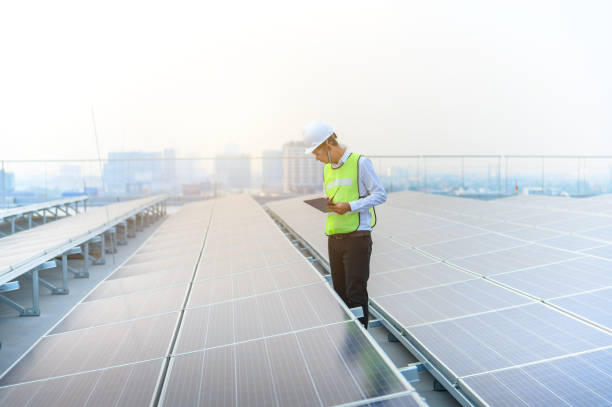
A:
(389, 397)
(71, 309)
(51, 254)
(478, 401)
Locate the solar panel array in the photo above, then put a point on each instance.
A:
(20, 210)
(216, 308)
(25, 249)
(494, 294)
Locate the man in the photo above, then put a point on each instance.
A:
(353, 189)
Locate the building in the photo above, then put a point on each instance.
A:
(7, 182)
(233, 171)
(134, 172)
(272, 170)
(301, 173)
(70, 178)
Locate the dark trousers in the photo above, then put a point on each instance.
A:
(349, 260)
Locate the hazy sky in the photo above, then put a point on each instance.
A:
(411, 77)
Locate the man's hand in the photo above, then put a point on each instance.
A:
(340, 207)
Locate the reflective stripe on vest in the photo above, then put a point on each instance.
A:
(343, 184)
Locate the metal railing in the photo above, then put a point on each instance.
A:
(482, 176)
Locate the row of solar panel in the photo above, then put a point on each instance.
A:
(263, 328)
(268, 329)
(441, 274)
(23, 248)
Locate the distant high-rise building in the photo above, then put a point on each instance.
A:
(70, 178)
(169, 171)
(7, 181)
(272, 168)
(301, 173)
(129, 172)
(233, 171)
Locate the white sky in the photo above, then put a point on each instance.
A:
(393, 77)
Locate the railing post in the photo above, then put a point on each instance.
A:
(506, 175)
(462, 172)
(418, 173)
(3, 178)
(425, 174)
(499, 192)
(542, 175)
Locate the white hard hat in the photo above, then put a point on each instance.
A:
(315, 134)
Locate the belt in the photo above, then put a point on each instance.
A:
(357, 233)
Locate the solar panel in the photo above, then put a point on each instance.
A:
(116, 309)
(502, 227)
(322, 366)
(604, 251)
(560, 279)
(430, 236)
(517, 258)
(580, 223)
(529, 333)
(546, 217)
(252, 283)
(448, 301)
(531, 234)
(471, 246)
(496, 333)
(130, 386)
(149, 264)
(146, 268)
(241, 262)
(94, 348)
(570, 242)
(384, 245)
(382, 263)
(582, 380)
(595, 306)
(257, 317)
(142, 282)
(414, 278)
(602, 233)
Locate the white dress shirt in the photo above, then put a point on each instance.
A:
(370, 188)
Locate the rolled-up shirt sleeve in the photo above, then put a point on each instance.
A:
(370, 187)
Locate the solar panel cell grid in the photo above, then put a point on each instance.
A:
(257, 317)
(518, 258)
(94, 348)
(582, 380)
(560, 279)
(432, 236)
(532, 234)
(449, 301)
(569, 242)
(471, 246)
(128, 285)
(602, 233)
(116, 309)
(595, 306)
(382, 263)
(604, 251)
(322, 366)
(430, 275)
(505, 338)
(94, 389)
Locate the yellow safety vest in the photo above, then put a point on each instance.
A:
(343, 185)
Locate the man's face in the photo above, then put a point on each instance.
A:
(320, 153)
